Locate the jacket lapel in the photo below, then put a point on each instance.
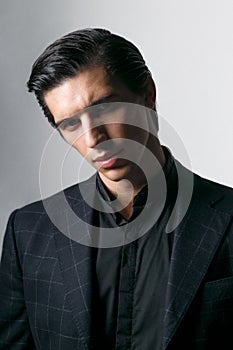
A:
(76, 264)
(77, 261)
(195, 243)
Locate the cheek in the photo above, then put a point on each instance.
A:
(134, 133)
(128, 132)
(80, 147)
(120, 131)
(83, 151)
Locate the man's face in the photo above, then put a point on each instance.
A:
(93, 86)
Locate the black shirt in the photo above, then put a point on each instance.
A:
(131, 279)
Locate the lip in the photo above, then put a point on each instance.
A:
(106, 157)
(107, 160)
(107, 163)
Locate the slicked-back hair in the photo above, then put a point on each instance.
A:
(87, 48)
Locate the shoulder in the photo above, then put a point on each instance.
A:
(32, 227)
(218, 195)
(36, 216)
(205, 191)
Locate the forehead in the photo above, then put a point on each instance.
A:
(82, 90)
(86, 83)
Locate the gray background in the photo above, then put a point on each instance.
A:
(188, 46)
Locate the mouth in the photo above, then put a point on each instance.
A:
(107, 160)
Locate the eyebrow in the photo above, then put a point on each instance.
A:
(94, 103)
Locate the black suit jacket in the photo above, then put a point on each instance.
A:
(46, 278)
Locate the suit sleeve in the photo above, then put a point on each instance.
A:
(15, 333)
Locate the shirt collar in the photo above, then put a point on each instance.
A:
(141, 196)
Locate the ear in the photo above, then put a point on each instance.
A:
(150, 93)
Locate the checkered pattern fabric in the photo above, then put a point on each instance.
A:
(46, 278)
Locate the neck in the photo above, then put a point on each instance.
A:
(126, 189)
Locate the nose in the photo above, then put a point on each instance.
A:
(93, 132)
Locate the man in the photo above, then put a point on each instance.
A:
(139, 256)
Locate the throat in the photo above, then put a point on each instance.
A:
(127, 211)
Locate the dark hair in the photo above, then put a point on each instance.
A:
(86, 48)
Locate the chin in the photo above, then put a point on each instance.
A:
(118, 174)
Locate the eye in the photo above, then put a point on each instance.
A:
(70, 124)
(98, 110)
(103, 108)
